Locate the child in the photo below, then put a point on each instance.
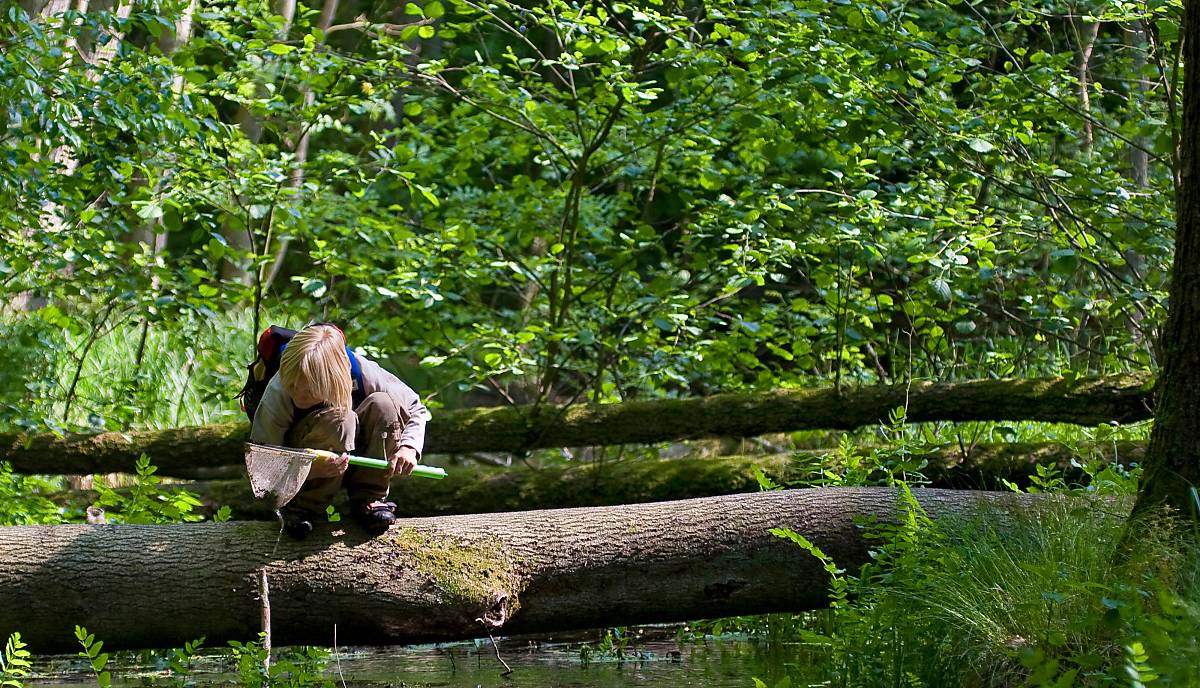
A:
(311, 403)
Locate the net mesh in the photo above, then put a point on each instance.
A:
(276, 473)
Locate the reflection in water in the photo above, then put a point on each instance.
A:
(715, 663)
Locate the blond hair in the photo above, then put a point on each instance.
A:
(316, 360)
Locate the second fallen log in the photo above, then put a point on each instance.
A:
(184, 452)
(483, 489)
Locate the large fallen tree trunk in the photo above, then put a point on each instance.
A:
(444, 578)
(181, 451)
(485, 489)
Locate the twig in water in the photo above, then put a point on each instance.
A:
(507, 669)
(337, 657)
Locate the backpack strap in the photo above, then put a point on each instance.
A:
(357, 391)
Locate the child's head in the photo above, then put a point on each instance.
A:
(315, 369)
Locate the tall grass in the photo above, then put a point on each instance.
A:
(188, 373)
(1074, 594)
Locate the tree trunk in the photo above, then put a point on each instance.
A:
(1086, 33)
(441, 579)
(1173, 459)
(1139, 156)
(1088, 401)
(490, 489)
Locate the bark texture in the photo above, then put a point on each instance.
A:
(444, 578)
(488, 489)
(182, 451)
(1173, 459)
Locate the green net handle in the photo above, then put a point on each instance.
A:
(421, 470)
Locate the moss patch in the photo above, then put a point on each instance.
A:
(465, 571)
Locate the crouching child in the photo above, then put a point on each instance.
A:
(326, 397)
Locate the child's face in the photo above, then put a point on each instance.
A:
(303, 397)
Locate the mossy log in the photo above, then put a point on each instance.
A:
(444, 578)
(184, 452)
(484, 489)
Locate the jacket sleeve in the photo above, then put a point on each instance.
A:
(414, 415)
(274, 415)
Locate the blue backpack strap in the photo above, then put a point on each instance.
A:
(357, 393)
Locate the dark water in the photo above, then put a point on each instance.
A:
(717, 663)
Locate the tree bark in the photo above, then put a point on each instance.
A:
(491, 489)
(442, 579)
(180, 451)
(1086, 34)
(1173, 459)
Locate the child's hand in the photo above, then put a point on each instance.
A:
(403, 461)
(329, 468)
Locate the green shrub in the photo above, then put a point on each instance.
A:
(1073, 594)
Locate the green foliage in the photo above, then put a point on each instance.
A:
(181, 659)
(888, 460)
(24, 500)
(332, 514)
(146, 501)
(303, 666)
(96, 659)
(1048, 599)
(559, 202)
(14, 662)
(615, 645)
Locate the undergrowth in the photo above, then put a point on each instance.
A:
(127, 377)
(1074, 592)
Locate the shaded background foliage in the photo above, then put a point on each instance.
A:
(578, 201)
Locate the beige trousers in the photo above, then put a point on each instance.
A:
(372, 429)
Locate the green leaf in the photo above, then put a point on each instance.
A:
(314, 288)
(150, 211)
(942, 288)
(426, 31)
(764, 482)
(433, 200)
(980, 146)
(281, 48)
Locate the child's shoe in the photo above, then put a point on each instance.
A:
(375, 517)
(297, 523)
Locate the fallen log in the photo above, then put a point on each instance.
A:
(441, 579)
(182, 451)
(484, 489)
